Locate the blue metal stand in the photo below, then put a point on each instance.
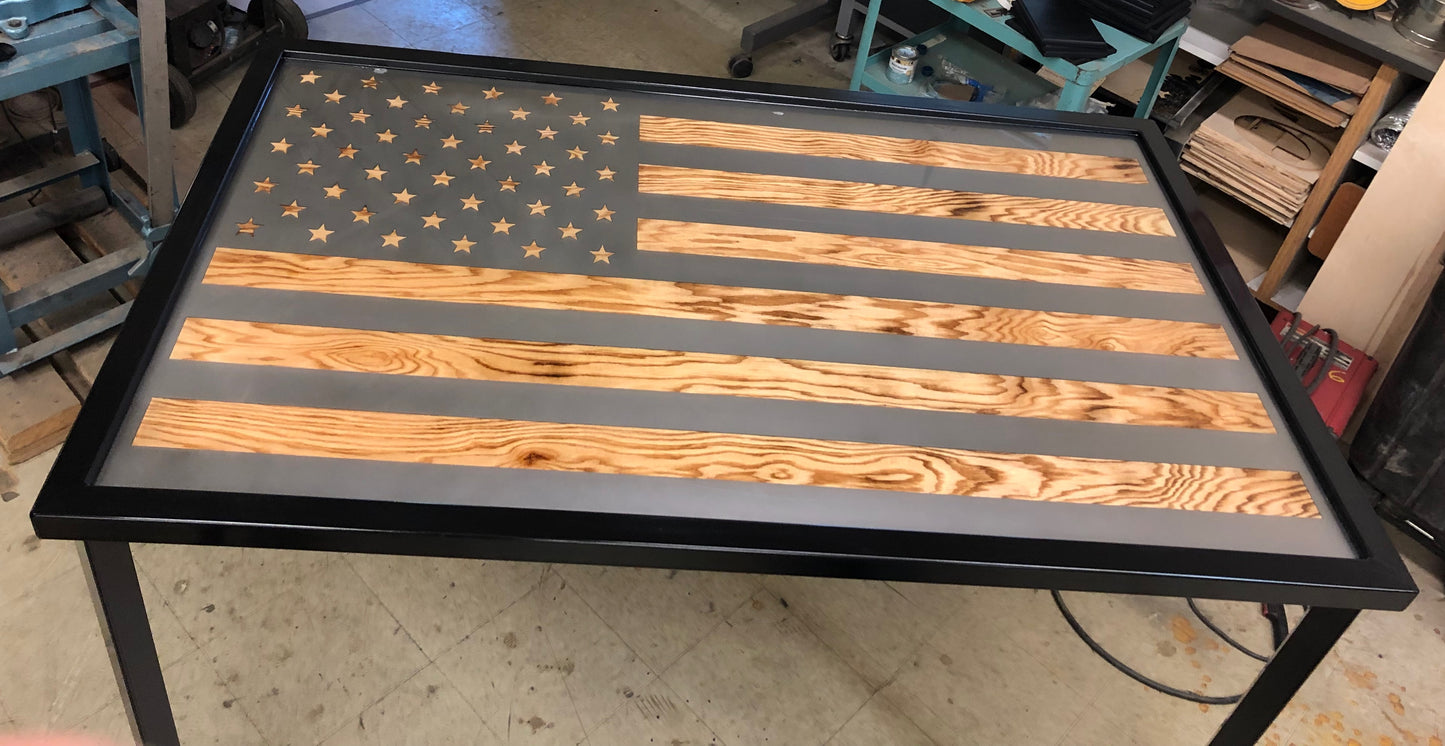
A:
(63, 52)
(1079, 79)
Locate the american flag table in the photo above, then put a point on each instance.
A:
(459, 306)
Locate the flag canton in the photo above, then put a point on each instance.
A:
(393, 164)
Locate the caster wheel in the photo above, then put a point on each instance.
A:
(740, 66)
(183, 97)
(840, 50)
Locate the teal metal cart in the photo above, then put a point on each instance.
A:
(1020, 84)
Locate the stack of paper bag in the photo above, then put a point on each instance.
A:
(1254, 151)
(1302, 70)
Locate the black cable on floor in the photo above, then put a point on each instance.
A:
(1131, 673)
(1237, 645)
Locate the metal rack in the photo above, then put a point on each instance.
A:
(63, 52)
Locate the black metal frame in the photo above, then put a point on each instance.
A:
(72, 506)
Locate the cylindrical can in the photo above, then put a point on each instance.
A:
(1422, 21)
(902, 64)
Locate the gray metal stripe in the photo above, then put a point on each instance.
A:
(788, 504)
(914, 125)
(946, 230)
(900, 174)
(716, 413)
(727, 338)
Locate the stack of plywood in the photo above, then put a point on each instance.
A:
(1301, 70)
(1254, 151)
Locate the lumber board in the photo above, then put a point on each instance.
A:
(800, 191)
(1355, 132)
(624, 295)
(867, 252)
(599, 449)
(467, 358)
(761, 138)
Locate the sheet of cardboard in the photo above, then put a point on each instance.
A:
(1305, 52)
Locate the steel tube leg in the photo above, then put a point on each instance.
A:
(1285, 673)
(115, 588)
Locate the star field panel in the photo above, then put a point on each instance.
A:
(455, 289)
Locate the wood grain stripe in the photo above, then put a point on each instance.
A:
(680, 300)
(468, 358)
(1056, 267)
(902, 200)
(598, 449)
(760, 138)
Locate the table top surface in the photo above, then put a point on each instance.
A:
(423, 287)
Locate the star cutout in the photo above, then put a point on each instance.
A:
(360, 115)
(533, 250)
(450, 141)
(608, 139)
(605, 214)
(292, 210)
(443, 178)
(537, 208)
(362, 216)
(609, 105)
(280, 146)
(493, 93)
(601, 255)
(508, 185)
(516, 148)
(264, 186)
(576, 153)
(321, 131)
(375, 172)
(414, 156)
(486, 127)
(479, 162)
(369, 83)
(519, 113)
(295, 111)
(334, 191)
(431, 87)
(308, 168)
(347, 152)
(578, 118)
(470, 203)
(403, 197)
(551, 99)
(335, 96)
(547, 133)
(573, 190)
(605, 174)
(395, 103)
(459, 108)
(570, 231)
(249, 227)
(310, 77)
(391, 239)
(432, 221)
(387, 136)
(422, 122)
(320, 233)
(463, 245)
(502, 226)
(543, 169)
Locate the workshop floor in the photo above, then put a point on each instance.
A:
(279, 647)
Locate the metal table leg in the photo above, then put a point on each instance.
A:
(1156, 79)
(115, 588)
(865, 42)
(1285, 673)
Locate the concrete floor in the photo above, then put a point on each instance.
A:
(275, 647)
